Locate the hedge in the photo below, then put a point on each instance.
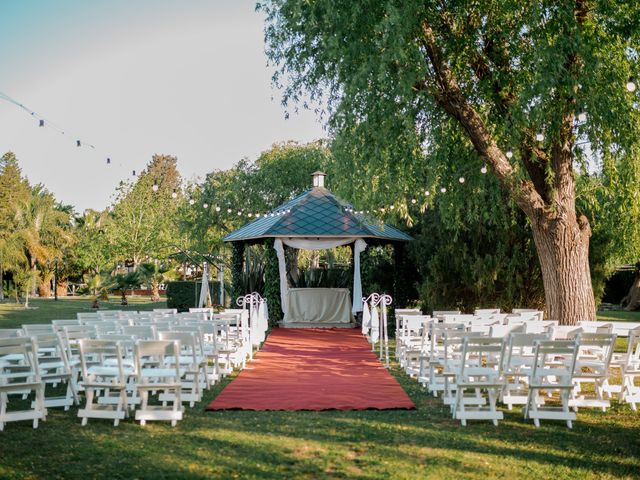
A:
(184, 295)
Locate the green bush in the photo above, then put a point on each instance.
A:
(184, 295)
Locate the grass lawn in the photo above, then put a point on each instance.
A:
(425, 443)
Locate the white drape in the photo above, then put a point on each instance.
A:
(204, 290)
(282, 268)
(358, 248)
(316, 243)
(320, 244)
(366, 319)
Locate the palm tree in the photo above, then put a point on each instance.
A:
(123, 282)
(155, 275)
(43, 229)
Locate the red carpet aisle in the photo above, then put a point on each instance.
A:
(313, 369)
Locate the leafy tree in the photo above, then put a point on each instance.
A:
(93, 252)
(14, 190)
(511, 76)
(144, 213)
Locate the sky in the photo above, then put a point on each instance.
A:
(133, 78)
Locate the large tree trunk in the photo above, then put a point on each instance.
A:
(561, 236)
(631, 301)
(563, 251)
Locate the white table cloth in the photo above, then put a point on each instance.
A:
(318, 305)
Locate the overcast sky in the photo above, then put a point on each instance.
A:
(136, 77)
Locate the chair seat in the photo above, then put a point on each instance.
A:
(106, 371)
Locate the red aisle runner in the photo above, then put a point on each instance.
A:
(313, 369)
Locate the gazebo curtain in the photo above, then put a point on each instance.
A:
(320, 244)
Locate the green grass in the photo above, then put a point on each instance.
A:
(421, 444)
(619, 316)
(14, 315)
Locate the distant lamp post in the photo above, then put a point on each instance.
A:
(55, 279)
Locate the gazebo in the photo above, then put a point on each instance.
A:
(316, 220)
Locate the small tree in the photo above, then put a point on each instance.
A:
(123, 282)
(154, 275)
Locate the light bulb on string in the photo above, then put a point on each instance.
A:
(540, 137)
(427, 193)
(41, 123)
(461, 179)
(134, 173)
(249, 215)
(191, 201)
(78, 143)
(582, 116)
(155, 187)
(391, 207)
(228, 210)
(414, 201)
(239, 213)
(483, 169)
(509, 154)
(205, 206)
(174, 194)
(631, 84)
(217, 208)
(108, 161)
(443, 190)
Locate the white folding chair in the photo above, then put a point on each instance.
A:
(592, 367)
(629, 366)
(19, 375)
(479, 371)
(517, 364)
(155, 374)
(553, 368)
(191, 361)
(54, 368)
(101, 377)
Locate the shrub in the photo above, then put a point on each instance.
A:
(184, 295)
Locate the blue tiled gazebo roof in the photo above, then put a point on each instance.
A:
(316, 213)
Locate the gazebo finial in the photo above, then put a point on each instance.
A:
(318, 179)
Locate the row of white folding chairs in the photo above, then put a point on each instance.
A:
(413, 339)
(31, 363)
(513, 378)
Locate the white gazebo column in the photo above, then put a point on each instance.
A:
(358, 247)
(282, 268)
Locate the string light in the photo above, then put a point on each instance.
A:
(174, 194)
(631, 84)
(483, 169)
(155, 187)
(205, 206)
(134, 173)
(414, 201)
(228, 210)
(41, 123)
(443, 190)
(582, 116)
(509, 154)
(217, 208)
(540, 137)
(461, 179)
(78, 143)
(191, 201)
(108, 161)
